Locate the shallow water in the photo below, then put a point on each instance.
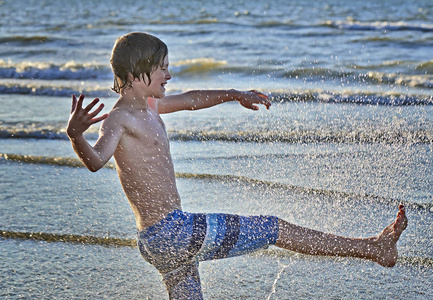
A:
(348, 137)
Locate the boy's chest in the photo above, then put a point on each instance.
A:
(148, 129)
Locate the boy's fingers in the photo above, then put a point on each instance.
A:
(259, 94)
(264, 98)
(98, 119)
(91, 105)
(79, 104)
(266, 103)
(98, 110)
(74, 103)
(250, 106)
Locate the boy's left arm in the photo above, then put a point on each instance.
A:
(194, 100)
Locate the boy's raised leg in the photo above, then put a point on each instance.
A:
(381, 249)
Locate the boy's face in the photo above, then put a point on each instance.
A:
(159, 78)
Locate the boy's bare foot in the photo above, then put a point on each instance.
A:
(386, 252)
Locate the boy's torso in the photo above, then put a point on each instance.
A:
(145, 166)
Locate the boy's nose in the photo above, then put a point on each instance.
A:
(168, 75)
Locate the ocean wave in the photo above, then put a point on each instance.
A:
(340, 195)
(423, 66)
(196, 66)
(354, 97)
(419, 76)
(39, 131)
(47, 160)
(77, 71)
(308, 136)
(394, 41)
(56, 89)
(420, 81)
(45, 134)
(289, 135)
(49, 74)
(21, 39)
(317, 72)
(378, 25)
(68, 238)
(193, 21)
(49, 71)
(102, 89)
(274, 23)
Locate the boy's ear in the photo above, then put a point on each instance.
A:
(131, 77)
(138, 79)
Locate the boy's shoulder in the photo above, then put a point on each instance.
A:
(119, 113)
(127, 116)
(117, 117)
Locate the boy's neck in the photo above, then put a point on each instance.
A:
(134, 100)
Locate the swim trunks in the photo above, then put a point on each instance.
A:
(176, 244)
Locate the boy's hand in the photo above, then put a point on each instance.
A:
(81, 118)
(254, 97)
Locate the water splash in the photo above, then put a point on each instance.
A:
(341, 195)
(281, 268)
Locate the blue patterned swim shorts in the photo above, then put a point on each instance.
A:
(177, 243)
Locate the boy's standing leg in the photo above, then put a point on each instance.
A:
(184, 283)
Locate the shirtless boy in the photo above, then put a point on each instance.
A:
(170, 239)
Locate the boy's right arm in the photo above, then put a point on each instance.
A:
(93, 157)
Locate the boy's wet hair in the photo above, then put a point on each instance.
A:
(138, 54)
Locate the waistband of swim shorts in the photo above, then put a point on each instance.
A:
(158, 225)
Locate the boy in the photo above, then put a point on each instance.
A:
(172, 240)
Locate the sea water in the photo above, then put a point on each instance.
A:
(348, 137)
